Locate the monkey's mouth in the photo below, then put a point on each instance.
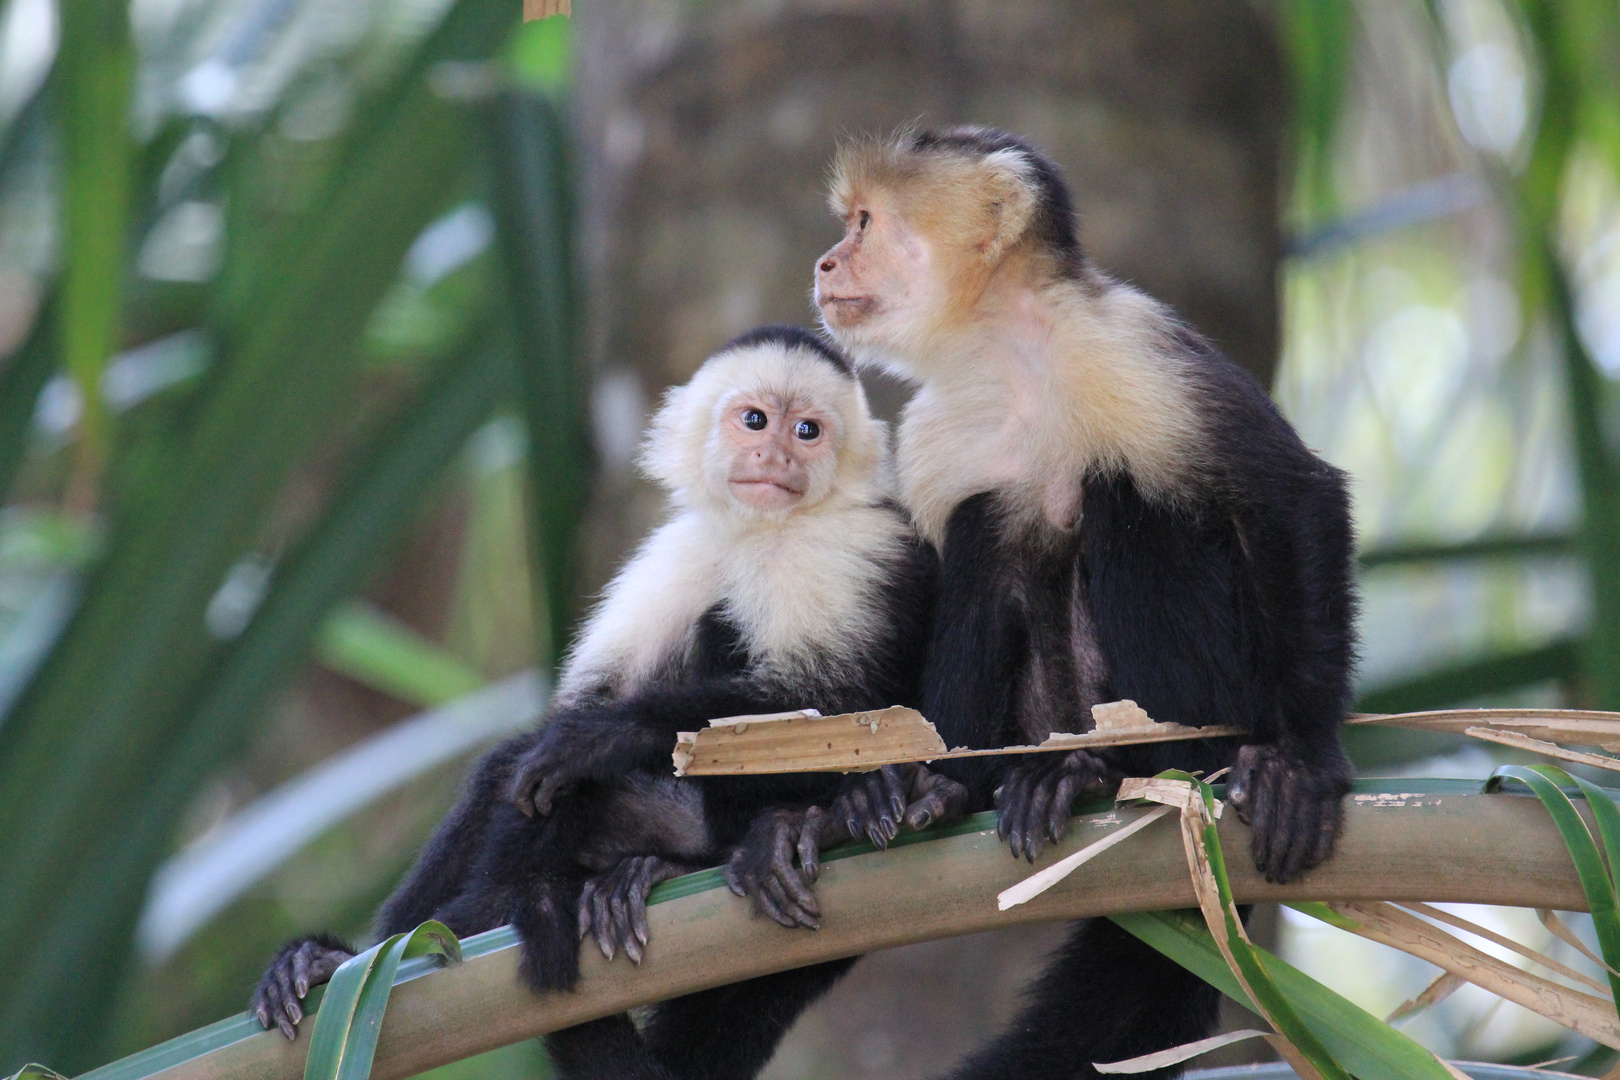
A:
(766, 490)
(858, 305)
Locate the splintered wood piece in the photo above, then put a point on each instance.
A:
(544, 9)
(803, 742)
(1581, 727)
(859, 742)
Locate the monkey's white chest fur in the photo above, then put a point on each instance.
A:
(1102, 394)
(801, 592)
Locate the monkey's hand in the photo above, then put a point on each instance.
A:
(557, 761)
(614, 904)
(935, 798)
(1033, 801)
(1292, 806)
(300, 965)
(762, 865)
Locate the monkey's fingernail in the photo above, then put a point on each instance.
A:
(303, 988)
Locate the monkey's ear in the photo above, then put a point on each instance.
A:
(1010, 201)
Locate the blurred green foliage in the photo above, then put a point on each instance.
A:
(205, 593)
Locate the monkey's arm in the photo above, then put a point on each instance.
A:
(1290, 779)
(602, 740)
(973, 649)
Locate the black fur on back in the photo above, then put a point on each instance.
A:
(1054, 223)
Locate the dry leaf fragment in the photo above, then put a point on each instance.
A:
(544, 9)
(1177, 1054)
(1441, 988)
(1584, 1013)
(1035, 884)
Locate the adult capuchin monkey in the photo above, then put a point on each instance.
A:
(785, 579)
(1121, 512)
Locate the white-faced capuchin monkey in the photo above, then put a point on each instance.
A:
(785, 579)
(1120, 512)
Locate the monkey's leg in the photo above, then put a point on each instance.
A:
(605, 1049)
(730, 1032)
(1104, 997)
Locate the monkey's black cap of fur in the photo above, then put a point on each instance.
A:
(792, 337)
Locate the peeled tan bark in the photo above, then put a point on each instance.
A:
(1417, 840)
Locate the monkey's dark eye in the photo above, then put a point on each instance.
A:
(753, 420)
(807, 430)
(866, 219)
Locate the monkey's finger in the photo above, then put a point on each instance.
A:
(786, 904)
(1009, 812)
(1263, 820)
(1057, 816)
(786, 876)
(734, 879)
(860, 811)
(584, 908)
(1040, 801)
(286, 1027)
(602, 925)
(284, 988)
(300, 971)
(545, 793)
(764, 902)
(522, 791)
(801, 894)
(638, 915)
(809, 845)
(619, 904)
(895, 784)
(629, 940)
(924, 812)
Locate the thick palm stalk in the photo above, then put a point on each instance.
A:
(1423, 839)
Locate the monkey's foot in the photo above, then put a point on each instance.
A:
(1292, 806)
(762, 865)
(935, 798)
(614, 904)
(300, 965)
(1033, 801)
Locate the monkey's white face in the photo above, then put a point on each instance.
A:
(777, 456)
(878, 281)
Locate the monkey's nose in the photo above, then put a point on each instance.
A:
(828, 266)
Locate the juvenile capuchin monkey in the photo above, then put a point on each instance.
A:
(1121, 512)
(785, 579)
